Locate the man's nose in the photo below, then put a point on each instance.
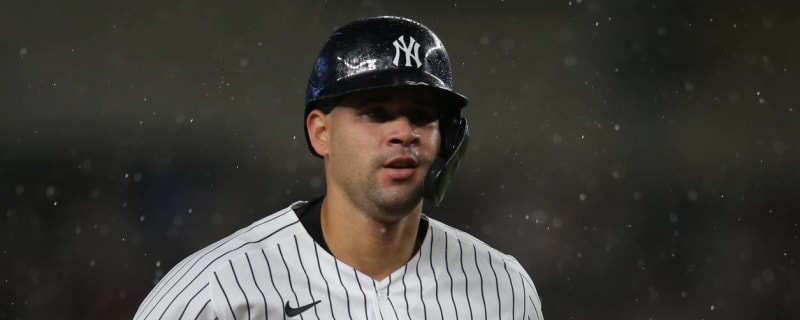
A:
(403, 131)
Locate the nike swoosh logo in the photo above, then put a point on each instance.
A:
(291, 312)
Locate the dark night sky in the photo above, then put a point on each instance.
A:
(640, 158)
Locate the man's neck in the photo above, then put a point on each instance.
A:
(373, 247)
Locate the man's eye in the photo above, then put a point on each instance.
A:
(377, 114)
(422, 117)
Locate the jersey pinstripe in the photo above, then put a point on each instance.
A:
(273, 268)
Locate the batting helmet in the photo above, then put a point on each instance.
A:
(387, 51)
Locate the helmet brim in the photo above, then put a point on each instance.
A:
(328, 96)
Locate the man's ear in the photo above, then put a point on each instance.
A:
(317, 126)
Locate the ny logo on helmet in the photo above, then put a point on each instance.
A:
(400, 45)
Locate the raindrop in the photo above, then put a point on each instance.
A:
(570, 61)
(172, 233)
(157, 275)
(507, 43)
(768, 275)
(50, 191)
(779, 147)
(767, 23)
(756, 284)
(557, 139)
(673, 217)
(103, 230)
(733, 96)
(557, 223)
(692, 195)
(539, 216)
(86, 164)
(217, 219)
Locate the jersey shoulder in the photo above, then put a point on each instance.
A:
(481, 251)
(457, 235)
(187, 282)
(261, 234)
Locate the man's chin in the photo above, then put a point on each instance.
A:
(401, 203)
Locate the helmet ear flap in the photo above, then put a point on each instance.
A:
(454, 144)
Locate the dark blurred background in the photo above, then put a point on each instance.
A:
(640, 158)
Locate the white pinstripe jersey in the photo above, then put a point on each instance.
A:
(274, 264)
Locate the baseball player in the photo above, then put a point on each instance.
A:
(382, 114)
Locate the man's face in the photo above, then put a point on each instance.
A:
(381, 144)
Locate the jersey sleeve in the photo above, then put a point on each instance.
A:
(205, 284)
(179, 297)
(533, 304)
(532, 301)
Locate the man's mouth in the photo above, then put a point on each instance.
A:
(401, 168)
(402, 162)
